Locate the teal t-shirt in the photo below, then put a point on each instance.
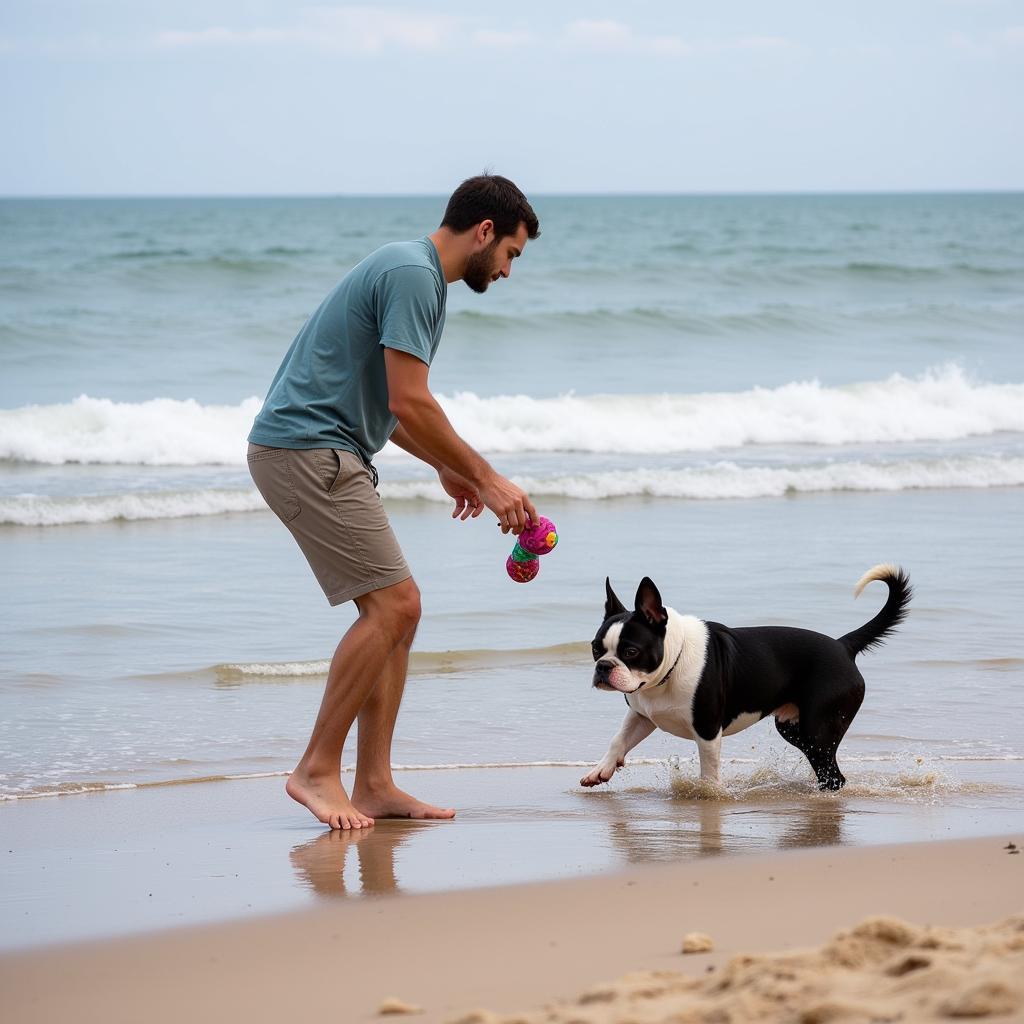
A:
(331, 390)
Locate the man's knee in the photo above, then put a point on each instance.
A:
(407, 605)
(395, 608)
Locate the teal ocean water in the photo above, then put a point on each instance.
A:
(751, 399)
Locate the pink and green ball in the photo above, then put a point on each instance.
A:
(524, 562)
(540, 538)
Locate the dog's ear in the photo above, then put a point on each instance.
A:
(612, 605)
(648, 603)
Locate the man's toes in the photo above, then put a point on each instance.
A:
(439, 812)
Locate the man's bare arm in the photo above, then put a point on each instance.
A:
(400, 436)
(422, 422)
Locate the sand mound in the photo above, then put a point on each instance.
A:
(882, 970)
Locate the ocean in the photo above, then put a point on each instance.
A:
(752, 399)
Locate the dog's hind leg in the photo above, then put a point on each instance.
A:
(820, 752)
(826, 710)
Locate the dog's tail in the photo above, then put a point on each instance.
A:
(873, 633)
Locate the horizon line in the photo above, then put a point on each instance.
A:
(624, 194)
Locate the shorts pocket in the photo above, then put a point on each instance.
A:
(271, 471)
(334, 466)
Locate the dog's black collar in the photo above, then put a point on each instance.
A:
(664, 678)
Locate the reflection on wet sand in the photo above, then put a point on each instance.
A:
(320, 862)
(624, 827)
(535, 822)
(701, 827)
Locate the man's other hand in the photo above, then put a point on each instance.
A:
(467, 501)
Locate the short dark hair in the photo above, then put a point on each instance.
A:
(490, 197)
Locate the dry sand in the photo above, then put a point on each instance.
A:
(882, 970)
(517, 949)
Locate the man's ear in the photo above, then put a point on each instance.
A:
(612, 605)
(648, 603)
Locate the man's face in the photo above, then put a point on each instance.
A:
(495, 260)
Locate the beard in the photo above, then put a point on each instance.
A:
(480, 268)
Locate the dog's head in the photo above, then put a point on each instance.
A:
(630, 646)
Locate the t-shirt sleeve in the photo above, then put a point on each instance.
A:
(407, 307)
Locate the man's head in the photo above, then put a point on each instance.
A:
(493, 219)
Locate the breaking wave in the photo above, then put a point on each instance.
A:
(721, 480)
(941, 405)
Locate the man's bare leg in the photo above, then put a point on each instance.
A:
(386, 617)
(375, 792)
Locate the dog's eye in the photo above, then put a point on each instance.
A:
(597, 650)
(630, 652)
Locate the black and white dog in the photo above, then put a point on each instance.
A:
(702, 680)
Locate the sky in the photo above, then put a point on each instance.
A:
(148, 97)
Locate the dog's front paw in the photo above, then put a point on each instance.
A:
(602, 773)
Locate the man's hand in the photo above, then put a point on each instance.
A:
(467, 500)
(509, 503)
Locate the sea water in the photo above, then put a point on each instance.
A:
(751, 399)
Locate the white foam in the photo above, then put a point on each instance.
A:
(728, 480)
(290, 669)
(159, 432)
(722, 480)
(941, 405)
(39, 510)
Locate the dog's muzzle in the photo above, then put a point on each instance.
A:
(605, 673)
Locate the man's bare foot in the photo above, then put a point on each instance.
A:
(326, 799)
(391, 802)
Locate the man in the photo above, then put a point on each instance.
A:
(355, 377)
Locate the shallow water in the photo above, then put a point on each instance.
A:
(124, 862)
(118, 676)
(751, 399)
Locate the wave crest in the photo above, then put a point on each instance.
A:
(941, 405)
(723, 480)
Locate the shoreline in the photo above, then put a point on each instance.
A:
(512, 948)
(126, 862)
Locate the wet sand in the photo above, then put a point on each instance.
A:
(105, 864)
(517, 948)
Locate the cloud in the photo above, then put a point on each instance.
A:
(609, 36)
(361, 29)
(354, 29)
(615, 36)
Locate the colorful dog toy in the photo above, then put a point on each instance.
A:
(537, 539)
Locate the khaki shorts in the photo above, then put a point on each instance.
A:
(327, 498)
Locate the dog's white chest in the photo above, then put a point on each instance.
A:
(670, 706)
(671, 712)
(675, 721)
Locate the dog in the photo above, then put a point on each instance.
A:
(702, 680)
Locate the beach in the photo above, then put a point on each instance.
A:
(753, 400)
(512, 950)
